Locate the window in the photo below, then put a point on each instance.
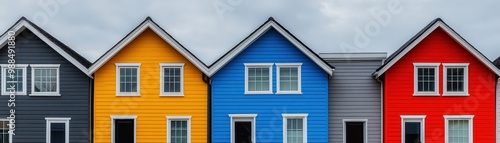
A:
(17, 79)
(355, 130)
(426, 79)
(178, 129)
(458, 128)
(456, 79)
(57, 130)
(242, 128)
(128, 79)
(294, 128)
(289, 78)
(44, 80)
(258, 78)
(413, 129)
(5, 137)
(123, 129)
(172, 79)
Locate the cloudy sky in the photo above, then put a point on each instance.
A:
(209, 28)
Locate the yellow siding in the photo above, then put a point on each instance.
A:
(149, 50)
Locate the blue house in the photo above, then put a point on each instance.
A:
(270, 88)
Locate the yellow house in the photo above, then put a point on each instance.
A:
(149, 89)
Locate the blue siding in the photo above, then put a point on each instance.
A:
(228, 96)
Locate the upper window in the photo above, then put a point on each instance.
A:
(57, 130)
(45, 80)
(426, 79)
(128, 79)
(5, 137)
(294, 128)
(456, 79)
(458, 129)
(14, 80)
(179, 129)
(258, 78)
(289, 78)
(172, 79)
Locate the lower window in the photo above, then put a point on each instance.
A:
(413, 129)
(123, 129)
(4, 131)
(57, 130)
(294, 128)
(458, 129)
(178, 129)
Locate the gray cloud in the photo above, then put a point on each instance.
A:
(92, 27)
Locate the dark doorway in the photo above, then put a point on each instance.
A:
(355, 132)
(412, 132)
(124, 131)
(243, 132)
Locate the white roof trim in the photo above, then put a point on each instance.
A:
(248, 41)
(23, 24)
(453, 34)
(147, 24)
(354, 56)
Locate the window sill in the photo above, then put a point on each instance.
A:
(456, 94)
(259, 92)
(128, 94)
(426, 94)
(171, 95)
(288, 92)
(45, 94)
(7, 94)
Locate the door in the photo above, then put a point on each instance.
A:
(243, 132)
(124, 131)
(355, 132)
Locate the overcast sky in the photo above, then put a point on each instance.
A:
(209, 28)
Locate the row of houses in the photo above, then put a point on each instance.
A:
(269, 88)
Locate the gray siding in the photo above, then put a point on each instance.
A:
(31, 111)
(354, 94)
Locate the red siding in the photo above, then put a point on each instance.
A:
(439, 47)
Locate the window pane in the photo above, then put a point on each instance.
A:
(4, 131)
(294, 130)
(455, 79)
(426, 79)
(412, 132)
(172, 79)
(178, 131)
(258, 79)
(45, 80)
(17, 81)
(458, 131)
(289, 79)
(128, 79)
(57, 132)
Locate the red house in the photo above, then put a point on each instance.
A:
(437, 88)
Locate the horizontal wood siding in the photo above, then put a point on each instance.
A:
(439, 47)
(228, 93)
(354, 94)
(31, 111)
(151, 109)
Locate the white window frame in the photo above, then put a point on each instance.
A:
(128, 65)
(259, 65)
(57, 120)
(466, 79)
(299, 77)
(243, 117)
(45, 66)
(162, 81)
(295, 116)
(413, 118)
(113, 118)
(436, 78)
(447, 118)
(10, 135)
(179, 118)
(365, 127)
(4, 80)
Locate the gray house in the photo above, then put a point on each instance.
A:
(497, 64)
(354, 100)
(52, 88)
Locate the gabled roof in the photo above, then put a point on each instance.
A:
(65, 51)
(437, 23)
(270, 23)
(147, 23)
